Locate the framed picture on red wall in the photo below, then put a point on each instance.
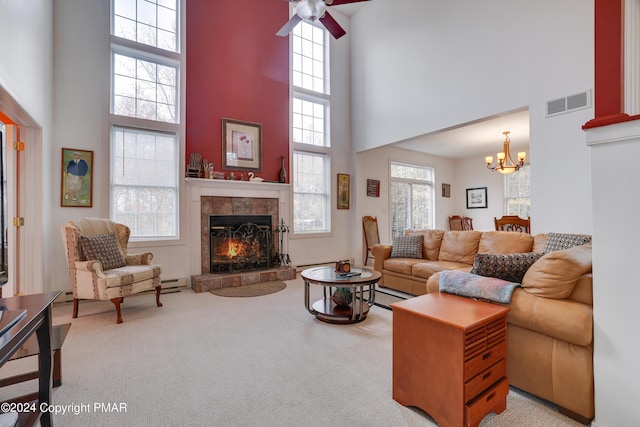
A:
(241, 145)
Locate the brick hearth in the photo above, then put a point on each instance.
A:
(206, 282)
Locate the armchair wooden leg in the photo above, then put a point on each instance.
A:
(158, 289)
(117, 302)
(75, 308)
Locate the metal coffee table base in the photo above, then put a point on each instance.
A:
(363, 295)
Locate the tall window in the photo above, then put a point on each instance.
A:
(310, 124)
(143, 198)
(145, 116)
(412, 197)
(517, 188)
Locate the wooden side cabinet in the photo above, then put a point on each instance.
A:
(450, 357)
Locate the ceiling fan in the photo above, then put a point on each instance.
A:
(314, 10)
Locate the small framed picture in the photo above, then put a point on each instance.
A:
(344, 183)
(446, 190)
(373, 188)
(476, 198)
(241, 145)
(76, 184)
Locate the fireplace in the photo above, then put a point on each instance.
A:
(239, 243)
(217, 197)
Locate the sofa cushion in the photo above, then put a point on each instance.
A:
(564, 319)
(401, 265)
(539, 242)
(431, 241)
(560, 241)
(504, 242)
(426, 269)
(510, 267)
(459, 246)
(407, 247)
(103, 248)
(555, 274)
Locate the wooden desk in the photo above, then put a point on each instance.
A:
(38, 321)
(450, 357)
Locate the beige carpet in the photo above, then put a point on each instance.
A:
(253, 290)
(203, 360)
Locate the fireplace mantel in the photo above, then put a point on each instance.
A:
(196, 188)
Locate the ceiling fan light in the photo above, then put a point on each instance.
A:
(311, 10)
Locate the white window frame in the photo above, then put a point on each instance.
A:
(324, 99)
(507, 195)
(164, 57)
(410, 181)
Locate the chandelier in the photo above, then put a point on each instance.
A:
(506, 164)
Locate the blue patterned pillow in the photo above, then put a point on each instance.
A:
(561, 241)
(509, 267)
(407, 247)
(103, 248)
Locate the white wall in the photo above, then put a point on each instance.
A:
(420, 66)
(82, 75)
(342, 240)
(616, 293)
(472, 172)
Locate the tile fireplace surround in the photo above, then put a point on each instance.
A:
(222, 197)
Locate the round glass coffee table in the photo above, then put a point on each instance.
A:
(361, 285)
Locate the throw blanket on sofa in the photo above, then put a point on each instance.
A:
(474, 286)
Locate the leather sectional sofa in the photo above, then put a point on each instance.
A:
(550, 322)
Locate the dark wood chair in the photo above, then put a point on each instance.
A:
(457, 222)
(513, 223)
(371, 236)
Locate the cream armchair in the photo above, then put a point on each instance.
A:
(99, 266)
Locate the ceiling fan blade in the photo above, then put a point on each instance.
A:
(339, 2)
(286, 28)
(332, 26)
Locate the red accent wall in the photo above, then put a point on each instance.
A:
(237, 68)
(609, 65)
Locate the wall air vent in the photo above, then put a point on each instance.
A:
(569, 103)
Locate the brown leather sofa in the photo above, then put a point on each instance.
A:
(550, 322)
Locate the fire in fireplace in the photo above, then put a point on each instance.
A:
(240, 243)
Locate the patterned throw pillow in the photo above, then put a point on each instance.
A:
(407, 247)
(561, 241)
(103, 248)
(509, 267)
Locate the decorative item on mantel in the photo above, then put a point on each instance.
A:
(505, 162)
(195, 165)
(283, 172)
(254, 178)
(207, 167)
